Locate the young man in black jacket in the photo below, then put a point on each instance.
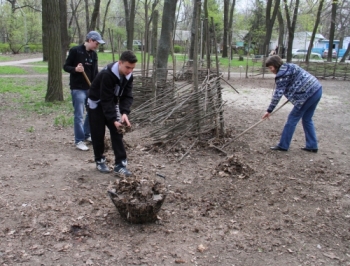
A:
(110, 99)
(82, 58)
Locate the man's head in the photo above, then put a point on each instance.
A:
(274, 63)
(92, 40)
(127, 62)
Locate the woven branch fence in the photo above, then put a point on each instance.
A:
(178, 109)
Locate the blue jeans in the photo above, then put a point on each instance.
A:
(305, 113)
(81, 126)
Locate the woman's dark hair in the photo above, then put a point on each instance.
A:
(128, 56)
(274, 61)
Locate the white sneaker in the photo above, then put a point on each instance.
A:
(81, 146)
(89, 139)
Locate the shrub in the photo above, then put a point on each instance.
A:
(5, 48)
(71, 45)
(178, 49)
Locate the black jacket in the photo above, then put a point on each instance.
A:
(78, 54)
(104, 89)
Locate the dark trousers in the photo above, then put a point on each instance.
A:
(98, 125)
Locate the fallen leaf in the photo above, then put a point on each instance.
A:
(201, 248)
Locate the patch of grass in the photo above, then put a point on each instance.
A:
(63, 121)
(30, 97)
(5, 58)
(30, 129)
(11, 70)
(41, 70)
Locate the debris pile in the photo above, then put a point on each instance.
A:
(138, 200)
(233, 166)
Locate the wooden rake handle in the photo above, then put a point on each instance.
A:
(86, 78)
(245, 131)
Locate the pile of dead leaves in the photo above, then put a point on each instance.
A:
(234, 166)
(138, 200)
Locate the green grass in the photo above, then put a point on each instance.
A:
(10, 70)
(30, 97)
(41, 70)
(5, 58)
(106, 58)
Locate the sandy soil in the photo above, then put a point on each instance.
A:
(253, 207)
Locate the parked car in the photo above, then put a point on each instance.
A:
(299, 52)
(313, 57)
(318, 51)
(135, 44)
(325, 53)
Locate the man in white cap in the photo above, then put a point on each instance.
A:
(82, 58)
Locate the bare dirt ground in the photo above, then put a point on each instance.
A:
(257, 207)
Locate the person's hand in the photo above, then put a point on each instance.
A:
(266, 115)
(125, 120)
(117, 124)
(79, 68)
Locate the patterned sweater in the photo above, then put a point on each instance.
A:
(296, 84)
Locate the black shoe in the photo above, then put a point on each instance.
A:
(310, 150)
(277, 148)
(121, 170)
(102, 167)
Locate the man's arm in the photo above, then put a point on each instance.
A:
(70, 65)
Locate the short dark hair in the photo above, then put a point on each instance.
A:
(274, 61)
(128, 56)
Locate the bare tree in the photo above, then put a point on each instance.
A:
(64, 29)
(129, 9)
(343, 21)
(165, 40)
(228, 21)
(45, 30)
(74, 15)
(317, 22)
(193, 30)
(94, 16)
(280, 44)
(332, 30)
(270, 21)
(291, 24)
(54, 84)
(346, 54)
(87, 15)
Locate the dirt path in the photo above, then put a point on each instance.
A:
(20, 62)
(257, 208)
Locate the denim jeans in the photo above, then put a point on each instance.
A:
(305, 113)
(81, 125)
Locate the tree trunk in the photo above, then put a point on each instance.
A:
(87, 15)
(193, 31)
(129, 22)
(230, 23)
(270, 21)
(280, 44)
(94, 16)
(346, 54)
(74, 14)
(291, 27)
(332, 30)
(314, 31)
(226, 30)
(164, 41)
(54, 83)
(45, 30)
(205, 29)
(64, 29)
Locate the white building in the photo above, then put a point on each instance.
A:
(302, 40)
